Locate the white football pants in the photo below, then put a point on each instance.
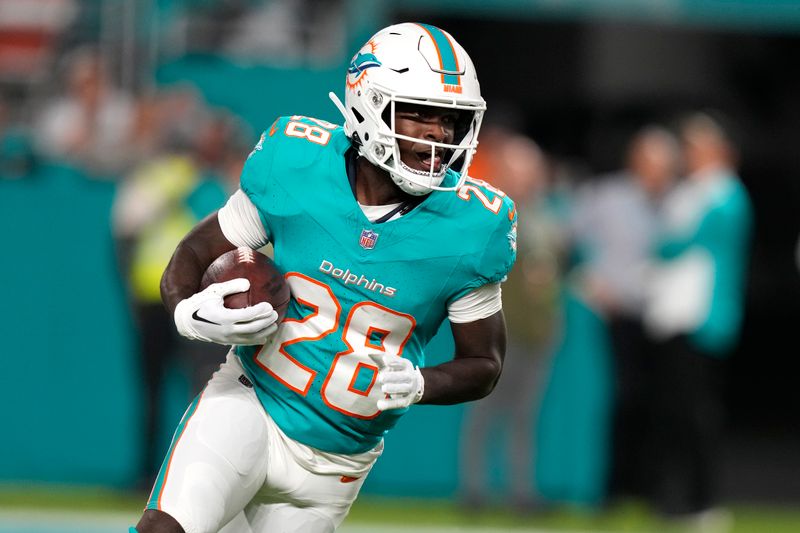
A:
(230, 463)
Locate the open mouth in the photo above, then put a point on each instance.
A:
(431, 160)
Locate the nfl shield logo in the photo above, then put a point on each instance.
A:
(368, 239)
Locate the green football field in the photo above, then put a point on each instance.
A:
(72, 510)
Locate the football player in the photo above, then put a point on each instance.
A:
(381, 240)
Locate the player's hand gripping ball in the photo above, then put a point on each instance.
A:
(267, 283)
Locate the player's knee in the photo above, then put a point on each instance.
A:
(157, 522)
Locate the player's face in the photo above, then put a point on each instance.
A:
(427, 123)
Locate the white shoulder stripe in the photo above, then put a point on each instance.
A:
(241, 223)
(480, 303)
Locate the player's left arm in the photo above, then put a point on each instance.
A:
(471, 375)
(478, 327)
(475, 369)
(202, 315)
(477, 321)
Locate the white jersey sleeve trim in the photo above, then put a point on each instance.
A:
(241, 223)
(480, 303)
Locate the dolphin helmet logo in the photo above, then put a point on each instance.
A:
(362, 62)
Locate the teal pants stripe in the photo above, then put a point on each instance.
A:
(155, 496)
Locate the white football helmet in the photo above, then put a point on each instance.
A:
(417, 64)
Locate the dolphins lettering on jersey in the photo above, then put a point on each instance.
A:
(326, 267)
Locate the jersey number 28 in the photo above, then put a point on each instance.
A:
(369, 327)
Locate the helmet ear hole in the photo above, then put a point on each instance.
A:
(386, 116)
(464, 124)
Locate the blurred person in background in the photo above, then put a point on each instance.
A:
(155, 206)
(285, 433)
(694, 309)
(179, 113)
(91, 123)
(515, 164)
(616, 220)
(288, 32)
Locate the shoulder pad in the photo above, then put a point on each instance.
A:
(491, 219)
(291, 142)
(483, 198)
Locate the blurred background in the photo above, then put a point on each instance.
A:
(123, 122)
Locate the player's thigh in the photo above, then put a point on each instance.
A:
(217, 460)
(295, 500)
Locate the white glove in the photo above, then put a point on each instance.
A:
(204, 317)
(400, 381)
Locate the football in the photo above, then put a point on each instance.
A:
(267, 283)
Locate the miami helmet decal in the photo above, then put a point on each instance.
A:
(362, 62)
(364, 59)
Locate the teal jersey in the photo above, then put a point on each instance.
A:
(723, 230)
(357, 287)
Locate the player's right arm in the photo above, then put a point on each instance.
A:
(203, 315)
(204, 243)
